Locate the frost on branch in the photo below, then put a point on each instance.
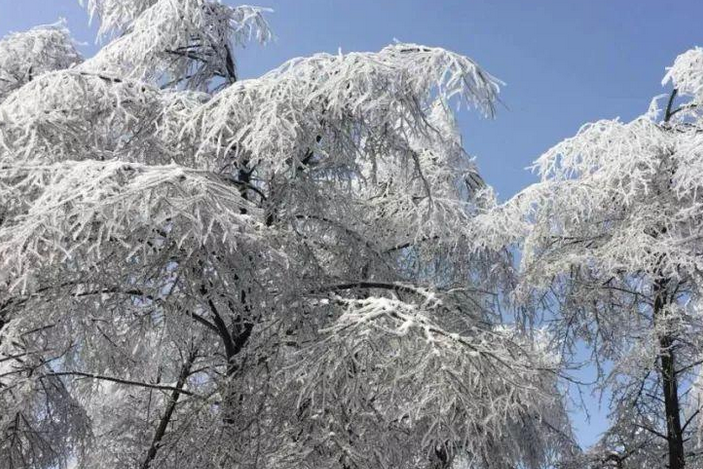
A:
(115, 16)
(371, 124)
(41, 422)
(461, 390)
(72, 213)
(171, 42)
(341, 105)
(602, 198)
(48, 120)
(686, 74)
(27, 55)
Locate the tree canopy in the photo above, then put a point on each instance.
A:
(306, 269)
(200, 271)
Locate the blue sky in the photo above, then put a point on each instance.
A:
(565, 62)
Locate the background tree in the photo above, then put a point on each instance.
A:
(612, 255)
(279, 272)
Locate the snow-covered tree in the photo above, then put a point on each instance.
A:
(24, 56)
(612, 245)
(198, 271)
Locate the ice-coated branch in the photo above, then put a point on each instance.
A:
(189, 41)
(126, 382)
(27, 55)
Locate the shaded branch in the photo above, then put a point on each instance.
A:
(126, 382)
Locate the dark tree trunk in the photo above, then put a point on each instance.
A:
(168, 414)
(667, 357)
(672, 406)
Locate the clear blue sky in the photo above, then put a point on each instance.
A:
(565, 62)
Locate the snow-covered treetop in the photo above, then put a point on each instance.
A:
(621, 195)
(27, 55)
(170, 42)
(686, 75)
(382, 126)
(115, 16)
(351, 101)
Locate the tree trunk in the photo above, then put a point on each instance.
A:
(170, 408)
(672, 407)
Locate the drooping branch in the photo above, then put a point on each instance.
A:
(397, 287)
(126, 382)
